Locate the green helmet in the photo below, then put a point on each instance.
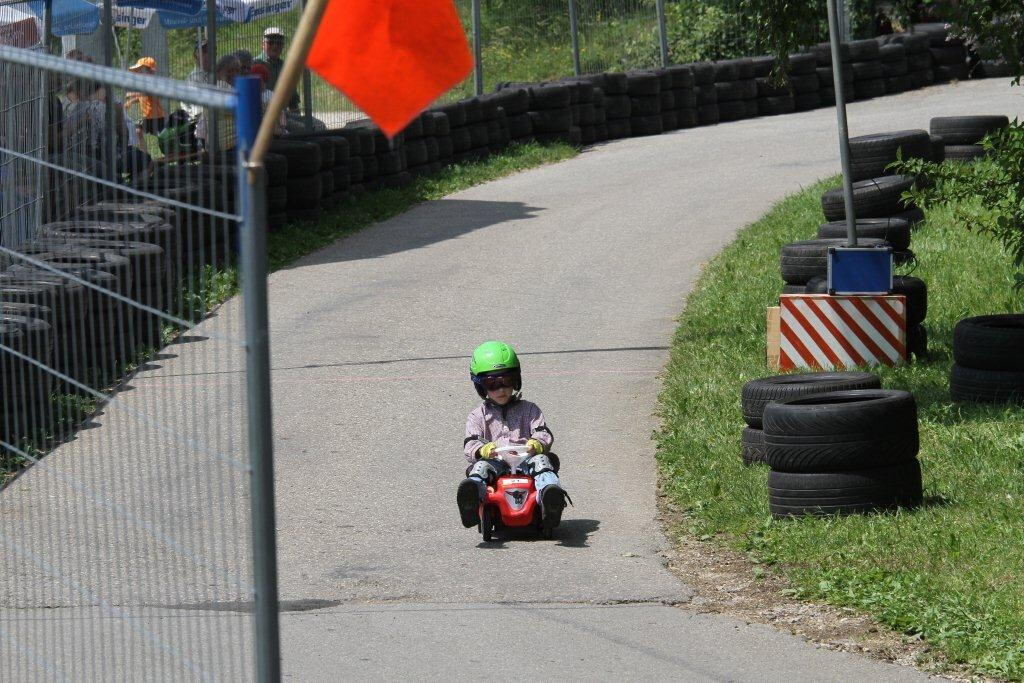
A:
(493, 357)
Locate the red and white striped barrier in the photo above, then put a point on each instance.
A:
(835, 332)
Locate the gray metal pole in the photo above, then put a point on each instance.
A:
(307, 93)
(844, 133)
(48, 26)
(478, 49)
(574, 32)
(261, 438)
(212, 138)
(107, 26)
(662, 32)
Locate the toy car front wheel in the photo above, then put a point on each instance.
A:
(487, 524)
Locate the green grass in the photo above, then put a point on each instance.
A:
(951, 571)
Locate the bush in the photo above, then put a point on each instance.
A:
(987, 195)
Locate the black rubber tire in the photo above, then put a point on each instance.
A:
(456, 114)
(802, 64)
(767, 88)
(356, 170)
(865, 90)
(682, 77)
(416, 152)
(706, 94)
(870, 154)
(948, 55)
(757, 393)
(475, 111)
(303, 156)
(938, 145)
(669, 120)
(840, 431)
(708, 114)
(953, 72)
(872, 198)
(342, 180)
(864, 50)
(731, 91)
(917, 342)
(645, 106)
(520, 126)
(549, 121)
(990, 342)
(725, 71)
(793, 289)
(986, 386)
(919, 62)
(807, 102)
(804, 84)
(646, 125)
(867, 71)
(892, 53)
(72, 258)
(800, 261)
(685, 99)
(616, 83)
(618, 107)
(487, 524)
(734, 110)
(913, 215)
(963, 153)
(703, 72)
(893, 230)
(326, 184)
(619, 128)
(844, 493)
(916, 292)
(667, 103)
(763, 65)
(462, 141)
(966, 130)
(772, 106)
(303, 194)
(642, 83)
(823, 53)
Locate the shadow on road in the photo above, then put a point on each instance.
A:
(571, 533)
(421, 226)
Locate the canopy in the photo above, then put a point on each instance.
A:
(70, 17)
(18, 28)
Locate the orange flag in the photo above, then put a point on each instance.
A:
(391, 57)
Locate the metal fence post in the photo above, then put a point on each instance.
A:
(478, 49)
(253, 238)
(574, 32)
(307, 93)
(844, 133)
(212, 137)
(662, 32)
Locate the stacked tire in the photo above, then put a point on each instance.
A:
(804, 81)
(516, 104)
(961, 136)
(919, 59)
(707, 93)
(644, 89)
(736, 89)
(773, 97)
(552, 114)
(870, 155)
(418, 153)
(27, 328)
(880, 197)
(826, 78)
(894, 68)
(616, 104)
(684, 96)
(842, 452)
(988, 359)
(758, 393)
(801, 261)
(868, 73)
(303, 187)
(949, 54)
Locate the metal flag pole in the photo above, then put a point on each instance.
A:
(478, 63)
(844, 133)
(574, 36)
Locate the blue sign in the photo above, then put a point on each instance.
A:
(859, 270)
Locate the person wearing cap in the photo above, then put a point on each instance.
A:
(199, 76)
(145, 110)
(273, 46)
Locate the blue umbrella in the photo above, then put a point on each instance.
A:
(69, 17)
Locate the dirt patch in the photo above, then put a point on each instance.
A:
(727, 582)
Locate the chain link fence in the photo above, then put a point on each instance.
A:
(124, 462)
(536, 40)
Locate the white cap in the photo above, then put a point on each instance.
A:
(273, 31)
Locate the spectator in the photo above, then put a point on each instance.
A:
(199, 76)
(227, 71)
(83, 125)
(273, 46)
(144, 109)
(244, 62)
(260, 71)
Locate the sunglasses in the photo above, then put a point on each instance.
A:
(495, 382)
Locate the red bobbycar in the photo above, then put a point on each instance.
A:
(512, 501)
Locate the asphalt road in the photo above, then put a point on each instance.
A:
(582, 266)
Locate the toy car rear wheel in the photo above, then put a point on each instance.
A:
(487, 524)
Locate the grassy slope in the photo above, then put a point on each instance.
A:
(951, 571)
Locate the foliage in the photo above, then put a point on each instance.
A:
(700, 30)
(986, 196)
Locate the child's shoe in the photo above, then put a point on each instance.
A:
(552, 502)
(468, 498)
